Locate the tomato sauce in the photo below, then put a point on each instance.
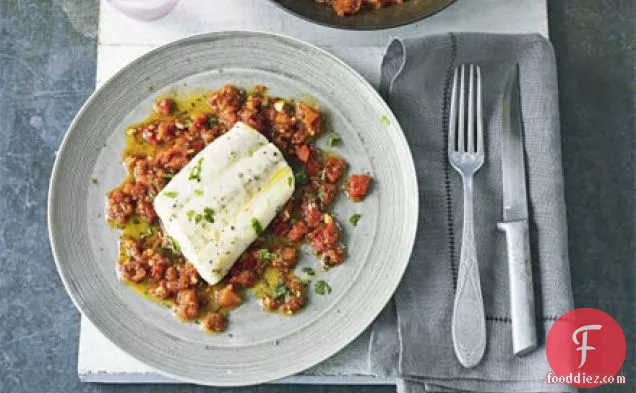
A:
(157, 148)
(350, 7)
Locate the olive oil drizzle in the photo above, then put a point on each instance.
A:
(137, 228)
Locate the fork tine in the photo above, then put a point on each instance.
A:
(470, 124)
(462, 119)
(452, 123)
(480, 124)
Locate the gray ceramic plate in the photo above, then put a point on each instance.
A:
(258, 346)
(410, 11)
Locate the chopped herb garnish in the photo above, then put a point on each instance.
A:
(167, 176)
(385, 120)
(279, 291)
(149, 231)
(212, 121)
(265, 255)
(195, 173)
(165, 252)
(290, 181)
(175, 245)
(208, 215)
(333, 139)
(250, 152)
(198, 192)
(301, 176)
(171, 247)
(322, 288)
(94, 180)
(171, 194)
(151, 88)
(323, 175)
(187, 123)
(354, 219)
(258, 228)
(309, 271)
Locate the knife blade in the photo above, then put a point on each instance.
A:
(515, 220)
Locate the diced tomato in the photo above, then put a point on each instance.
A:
(325, 236)
(164, 106)
(292, 304)
(269, 303)
(326, 192)
(333, 256)
(165, 130)
(158, 267)
(303, 152)
(334, 168)
(146, 210)
(313, 169)
(189, 276)
(286, 257)
(311, 213)
(161, 291)
(149, 134)
(310, 117)
(280, 228)
(247, 261)
(298, 231)
(120, 206)
(187, 304)
(174, 158)
(214, 322)
(199, 121)
(314, 164)
(226, 297)
(245, 278)
(357, 187)
(228, 97)
(346, 7)
(135, 271)
(172, 273)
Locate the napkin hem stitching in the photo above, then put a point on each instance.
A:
(545, 318)
(447, 183)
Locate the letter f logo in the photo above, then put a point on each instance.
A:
(584, 347)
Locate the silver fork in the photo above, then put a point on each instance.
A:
(466, 155)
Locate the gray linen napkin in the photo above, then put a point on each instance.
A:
(412, 337)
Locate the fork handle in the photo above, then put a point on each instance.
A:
(524, 331)
(469, 321)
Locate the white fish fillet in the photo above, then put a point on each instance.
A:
(244, 179)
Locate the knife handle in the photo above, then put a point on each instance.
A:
(524, 332)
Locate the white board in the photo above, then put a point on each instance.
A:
(121, 40)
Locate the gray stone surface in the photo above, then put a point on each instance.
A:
(47, 69)
(595, 44)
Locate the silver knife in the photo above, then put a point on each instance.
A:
(515, 221)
